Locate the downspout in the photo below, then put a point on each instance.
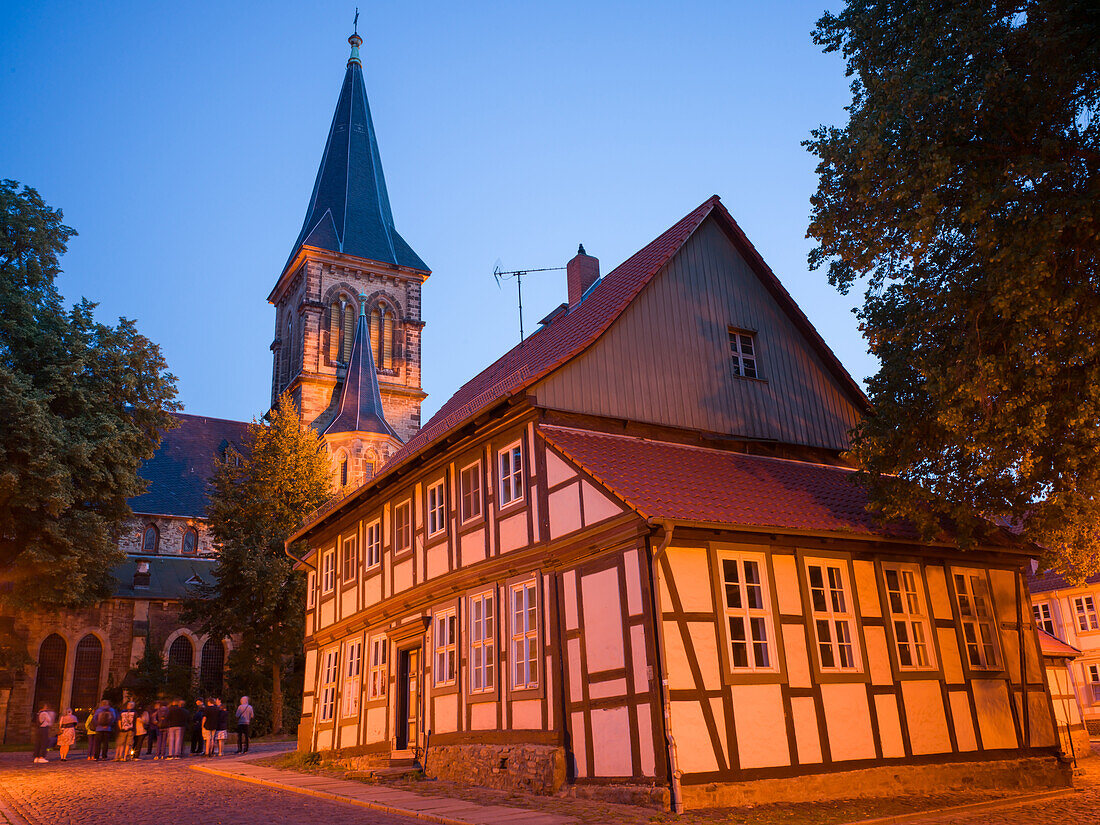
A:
(676, 800)
(303, 562)
(1020, 591)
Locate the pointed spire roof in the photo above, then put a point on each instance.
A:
(360, 409)
(349, 210)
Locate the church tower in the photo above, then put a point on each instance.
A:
(351, 290)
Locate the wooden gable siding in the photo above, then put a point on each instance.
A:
(666, 359)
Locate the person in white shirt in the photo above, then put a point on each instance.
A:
(245, 715)
(43, 723)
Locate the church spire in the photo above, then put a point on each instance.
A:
(349, 210)
(360, 408)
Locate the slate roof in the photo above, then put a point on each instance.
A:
(1050, 580)
(169, 576)
(349, 210)
(1054, 647)
(360, 409)
(184, 462)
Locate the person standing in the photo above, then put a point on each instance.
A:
(151, 729)
(141, 728)
(89, 727)
(43, 723)
(244, 724)
(67, 736)
(177, 719)
(196, 728)
(222, 729)
(104, 724)
(209, 726)
(160, 719)
(125, 739)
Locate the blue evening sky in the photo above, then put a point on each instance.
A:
(181, 140)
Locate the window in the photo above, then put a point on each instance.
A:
(181, 655)
(379, 674)
(212, 667)
(343, 472)
(748, 619)
(351, 559)
(972, 596)
(50, 675)
(525, 660)
(511, 474)
(89, 657)
(328, 571)
(482, 642)
(446, 648)
(150, 540)
(341, 329)
(1043, 617)
(353, 664)
(1094, 683)
(402, 526)
(382, 336)
(190, 542)
(437, 509)
(743, 353)
(374, 544)
(834, 623)
(329, 668)
(470, 484)
(912, 631)
(1085, 609)
(311, 590)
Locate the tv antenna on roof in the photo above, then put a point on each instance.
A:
(518, 274)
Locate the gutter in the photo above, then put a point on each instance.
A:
(676, 800)
(297, 561)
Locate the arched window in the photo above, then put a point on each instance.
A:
(151, 539)
(190, 542)
(382, 334)
(51, 673)
(212, 667)
(89, 658)
(181, 655)
(341, 328)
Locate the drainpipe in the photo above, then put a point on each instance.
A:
(1021, 640)
(676, 801)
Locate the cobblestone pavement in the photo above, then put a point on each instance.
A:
(79, 792)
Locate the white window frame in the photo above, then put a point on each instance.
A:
(1092, 672)
(748, 622)
(379, 667)
(311, 589)
(483, 624)
(909, 617)
(833, 616)
(979, 625)
(1044, 617)
(373, 555)
(330, 666)
(328, 571)
(744, 358)
(349, 561)
(524, 602)
(1084, 612)
(471, 514)
(437, 509)
(407, 534)
(353, 672)
(510, 466)
(445, 642)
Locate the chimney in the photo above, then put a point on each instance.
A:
(581, 273)
(142, 575)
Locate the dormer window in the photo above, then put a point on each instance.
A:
(743, 353)
(150, 540)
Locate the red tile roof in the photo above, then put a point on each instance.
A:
(1054, 647)
(1049, 580)
(661, 480)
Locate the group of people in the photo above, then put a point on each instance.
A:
(161, 726)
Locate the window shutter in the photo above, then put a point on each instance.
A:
(334, 331)
(349, 333)
(375, 323)
(387, 341)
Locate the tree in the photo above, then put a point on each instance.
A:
(258, 499)
(82, 404)
(965, 192)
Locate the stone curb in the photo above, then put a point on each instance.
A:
(993, 804)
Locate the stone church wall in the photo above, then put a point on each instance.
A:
(172, 530)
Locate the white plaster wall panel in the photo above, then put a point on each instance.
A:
(794, 650)
(645, 740)
(527, 714)
(761, 726)
(994, 714)
(1042, 728)
(576, 669)
(806, 738)
(536, 529)
(706, 652)
(597, 506)
(693, 745)
(565, 511)
(328, 612)
(1003, 585)
(718, 714)
(513, 532)
(445, 713)
(1010, 650)
(848, 719)
(557, 470)
(692, 576)
(472, 547)
(309, 623)
(324, 740)
(611, 754)
(311, 671)
(867, 588)
(878, 655)
(889, 726)
(925, 717)
(580, 743)
(603, 623)
(1033, 666)
(633, 582)
(402, 575)
(375, 723)
(437, 560)
(949, 656)
(569, 582)
(641, 659)
(604, 690)
(483, 715)
(786, 584)
(965, 737)
(348, 606)
(372, 590)
(679, 672)
(937, 591)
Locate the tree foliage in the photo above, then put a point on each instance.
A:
(81, 405)
(964, 192)
(257, 501)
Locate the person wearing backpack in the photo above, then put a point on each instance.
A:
(125, 739)
(104, 724)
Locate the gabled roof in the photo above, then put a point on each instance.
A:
(1049, 580)
(170, 577)
(1054, 647)
(360, 409)
(181, 467)
(349, 210)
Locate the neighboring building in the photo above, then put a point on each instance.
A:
(1073, 738)
(81, 653)
(628, 553)
(1072, 613)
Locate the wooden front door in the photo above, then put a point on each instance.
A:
(408, 698)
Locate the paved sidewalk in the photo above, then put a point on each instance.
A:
(381, 798)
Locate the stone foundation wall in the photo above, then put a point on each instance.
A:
(538, 769)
